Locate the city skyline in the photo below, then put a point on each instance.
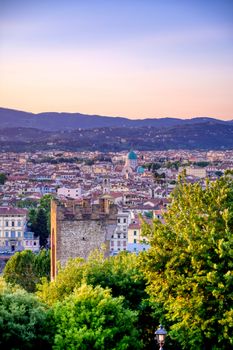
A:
(122, 58)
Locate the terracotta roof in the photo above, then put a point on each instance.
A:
(12, 211)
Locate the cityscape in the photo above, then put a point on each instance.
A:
(116, 175)
(138, 183)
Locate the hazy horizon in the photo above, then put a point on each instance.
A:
(153, 59)
(116, 116)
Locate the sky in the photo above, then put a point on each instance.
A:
(132, 58)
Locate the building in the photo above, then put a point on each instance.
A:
(78, 229)
(30, 242)
(119, 238)
(196, 172)
(13, 231)
(136, 241)
(131, 160)
(70, 192)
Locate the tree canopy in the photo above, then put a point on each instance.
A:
(24, 321)
(3, 178)
(26, 269)
(39, 219)
(120, 273)
(189, 265)
(91, 318)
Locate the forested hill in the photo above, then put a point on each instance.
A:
(208, 135)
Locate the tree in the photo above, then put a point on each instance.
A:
(24, 321)
(45, 204)
(120, 273)
(91, 318)
(218, 173)
(202, 164)
(41, 227)
(26, 269)
(3, 178)
(39, 219)
(189, 265)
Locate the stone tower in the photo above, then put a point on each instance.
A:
(106, 185)
(78, 229)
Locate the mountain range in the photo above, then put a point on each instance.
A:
(22, 131)
(53, 121)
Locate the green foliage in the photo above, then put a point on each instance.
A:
(3, 178)
(219, 173)
(152, 166)
(202, 164)
(119, 273)
(91, 318)
(39, 219)
(173, 165)
(26, 269)
(24, 321)
(189, 265)
(41, 227)
(66, 281)
(26, 203)
(149, 214)
(159, 177)
(229, 172)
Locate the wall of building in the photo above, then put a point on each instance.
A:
(78, 230)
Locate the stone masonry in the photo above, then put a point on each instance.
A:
(76, 230)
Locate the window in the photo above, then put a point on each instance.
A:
(6, 234)
(12, 223)
(124, 243)
(19, 223)
(118, 220)
(119, 243)
(12, 234)
(135, 233)
(19, 234)
(7, 223)
(112, 243)
(34, 242)
(6, 243)
(124, 221)
(26, 242)
(119, 236)
(135, 241)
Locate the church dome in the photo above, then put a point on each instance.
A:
(132, 156)
(140, 170)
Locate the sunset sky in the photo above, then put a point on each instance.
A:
(132, 58)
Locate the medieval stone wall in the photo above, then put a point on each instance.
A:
(78, 230)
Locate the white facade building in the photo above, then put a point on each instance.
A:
(13, 235)
(73, 193)
(119, 238)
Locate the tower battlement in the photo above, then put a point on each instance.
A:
(78, 229)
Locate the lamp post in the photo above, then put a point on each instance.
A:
(160, 336)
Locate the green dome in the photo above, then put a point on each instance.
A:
(132, 156)
(140, 170)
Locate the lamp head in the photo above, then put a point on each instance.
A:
(161, 335)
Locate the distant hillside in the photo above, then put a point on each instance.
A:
(205, 135)
(52, 121)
